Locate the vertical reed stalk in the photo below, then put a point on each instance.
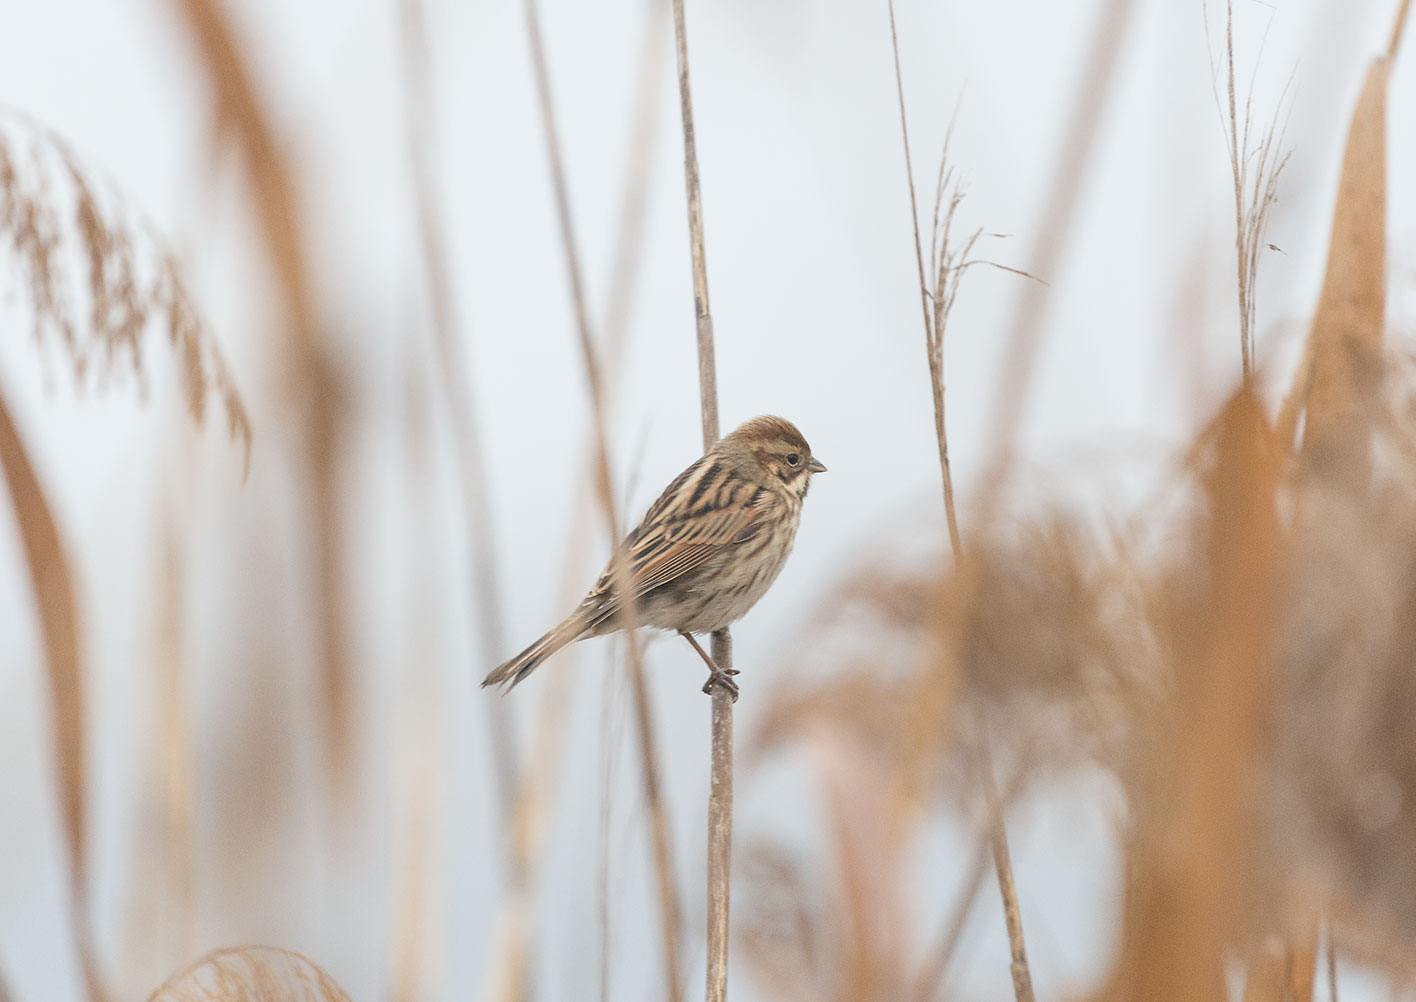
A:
(1025, 336)
(1245, 335)
(1399, 24)
(668, 895)
(273, 191)
(933, 335)
(1331, 940)
(448, 338)
(52, 580)
(1003, 863)
(720, 791)
(507, 979)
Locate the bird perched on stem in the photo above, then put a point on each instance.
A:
(704, 553)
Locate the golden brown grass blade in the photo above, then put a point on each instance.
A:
(1303, 966)
(241, 110)
(1347, 330)
(59, 625)
(1396, 28)
(1267, 976)
(273, 192)
(1024, 337)
(251, 974)
(1189, 875)
(59, 630)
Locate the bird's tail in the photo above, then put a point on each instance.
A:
(513, 671)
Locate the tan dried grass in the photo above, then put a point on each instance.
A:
(251, 974)
(98, 278)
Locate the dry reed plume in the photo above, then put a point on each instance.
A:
(1256, 162)
(252, 974)
(97, 278)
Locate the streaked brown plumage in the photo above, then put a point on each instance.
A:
(706, 551)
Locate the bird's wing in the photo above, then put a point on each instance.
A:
(706, 508)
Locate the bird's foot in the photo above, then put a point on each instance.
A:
(723, 677)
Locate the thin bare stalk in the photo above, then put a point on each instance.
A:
(634, 195)
(1012, 915)
(52, 580)
(273, 192)
(720, 792)
(707, 370)
(1246, 349)
(1395, 42)
(1007, 888)
(933, 342)
(176, 745)
(1024, 338)
(948, 270)
(448, 341)
(1331, 939)
(508, 978)
(937, 962)
(610, 730)
(668, 895)
(931, 978)
(1255, 168)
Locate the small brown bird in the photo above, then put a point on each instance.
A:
(705, 552)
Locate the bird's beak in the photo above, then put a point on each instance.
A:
(816, 466)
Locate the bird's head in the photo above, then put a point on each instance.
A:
(778, 453)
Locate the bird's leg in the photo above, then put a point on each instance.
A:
(716, 675)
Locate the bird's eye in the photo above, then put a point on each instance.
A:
(793, 459)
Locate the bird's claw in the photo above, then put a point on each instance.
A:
(723, 677)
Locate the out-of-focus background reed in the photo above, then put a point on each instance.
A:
(296, 443)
